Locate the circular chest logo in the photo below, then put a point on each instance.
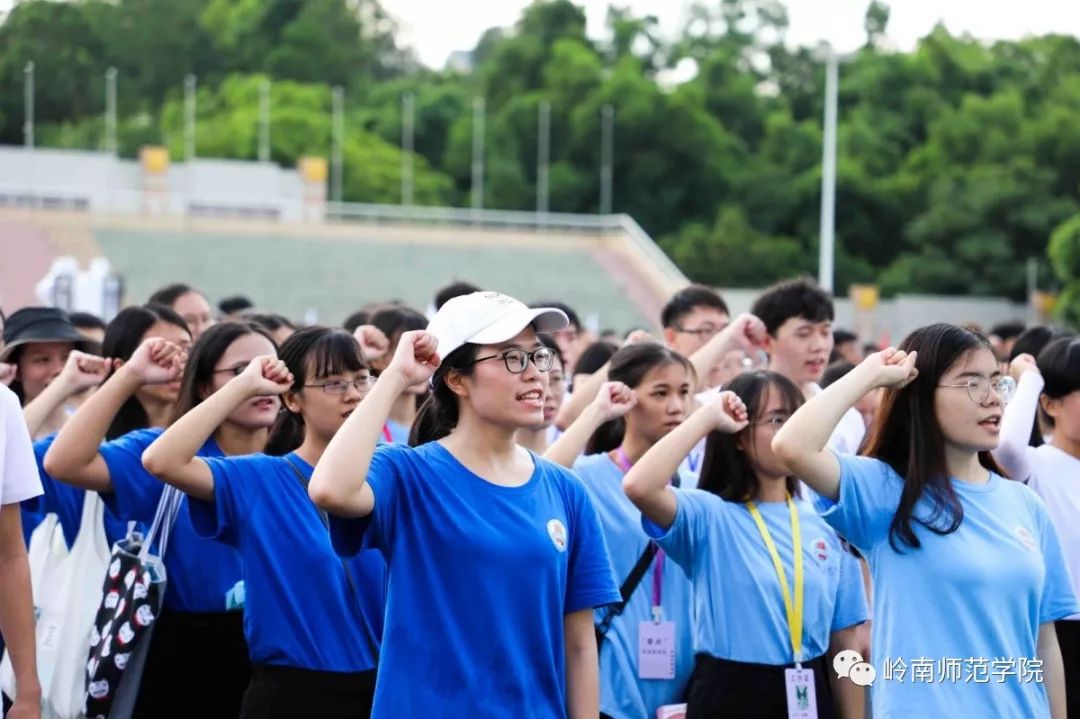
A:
(557, 532)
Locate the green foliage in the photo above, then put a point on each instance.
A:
(957, 160)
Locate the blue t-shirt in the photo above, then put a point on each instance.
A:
(399, 433)
(66, 502)
(300, 611)
(480, 579)
(962, 601)
(738, 603)
(201, 572)
(623, 694)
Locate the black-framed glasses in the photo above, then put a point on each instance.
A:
(517, 360)
(235, 371)
(341, 386)
(979, 387)
(704, 333)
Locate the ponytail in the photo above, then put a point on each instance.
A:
(438, 415)
(286, 435)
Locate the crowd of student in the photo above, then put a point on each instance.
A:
(494, 514)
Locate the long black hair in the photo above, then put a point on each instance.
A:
(1032, 341)
(122, 337)
(311, 353)
(907, 436)
(727, 470)
(630, 365)
(438, 414)
(205, 353)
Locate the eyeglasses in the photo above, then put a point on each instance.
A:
(341, 386)
(704, 333)
(775, 422)
(516, 360)
(978, 388)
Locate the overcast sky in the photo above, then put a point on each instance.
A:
(438, 27)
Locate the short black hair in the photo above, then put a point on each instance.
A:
(793, 298)
(687, 300)
(835, 371)
(452, 290)
(1033, 339)
(269, 320)
(572, 316)
(360, 317)
(844, 336)
(169, 294)
(1008, 330)
(234, 304)
(594, 357)
(86, 321)
(1059, 364)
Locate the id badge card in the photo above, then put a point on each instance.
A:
(656, 650)
(801, 697)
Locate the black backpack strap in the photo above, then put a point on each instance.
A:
(626, 590)
(344, 565)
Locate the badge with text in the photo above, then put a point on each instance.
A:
(656, 650)
(801, 697)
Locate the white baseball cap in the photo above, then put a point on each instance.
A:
(485, 318)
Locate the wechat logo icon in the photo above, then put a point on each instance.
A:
(849, 664)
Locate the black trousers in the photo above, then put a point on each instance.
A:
(286, 693)
(1068, 634)
(197, 666)
(740, 690)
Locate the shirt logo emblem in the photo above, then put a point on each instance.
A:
(557, 532)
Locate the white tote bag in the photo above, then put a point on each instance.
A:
(65, 602)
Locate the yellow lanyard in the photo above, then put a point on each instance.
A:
(794, 610)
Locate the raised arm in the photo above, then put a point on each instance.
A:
(802, 441)
(746, 332)
(583, 396)
(614, 400)
(81, 372)
(339, 482)
(646, 484)
(1020, 414)
(171, 458)
(73, 457)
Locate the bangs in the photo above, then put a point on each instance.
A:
(334, 353)
(1059, 363)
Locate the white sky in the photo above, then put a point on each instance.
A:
(438, 27)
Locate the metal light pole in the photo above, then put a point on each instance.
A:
(478, 154)
(408, 146)
(337, 151)
(264, 121)
(543, 156)
(110, 111)
(190, 85)
(28, 97)
(607, 151)
(826, 256)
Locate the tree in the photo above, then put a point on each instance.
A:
(876, 22)
(1064, 252)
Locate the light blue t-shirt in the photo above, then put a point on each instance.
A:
(201, 572)
(622, 694)
(976, 595)
(399, 433)
(480, 579)
(66, 502)
(299, 609)
(738, 603)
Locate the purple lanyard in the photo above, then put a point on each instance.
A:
(658, 564)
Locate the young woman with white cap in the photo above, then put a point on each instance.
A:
(495, 556)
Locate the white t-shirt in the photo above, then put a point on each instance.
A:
(18, 471)
(1053, 473)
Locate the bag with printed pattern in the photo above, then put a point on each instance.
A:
(131, 601)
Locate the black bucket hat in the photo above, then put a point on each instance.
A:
(42, 324)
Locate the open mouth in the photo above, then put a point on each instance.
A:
(534, 398)
(993, 422)
(265, 403)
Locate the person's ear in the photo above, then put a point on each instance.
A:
(292, 402)
(456, 382)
